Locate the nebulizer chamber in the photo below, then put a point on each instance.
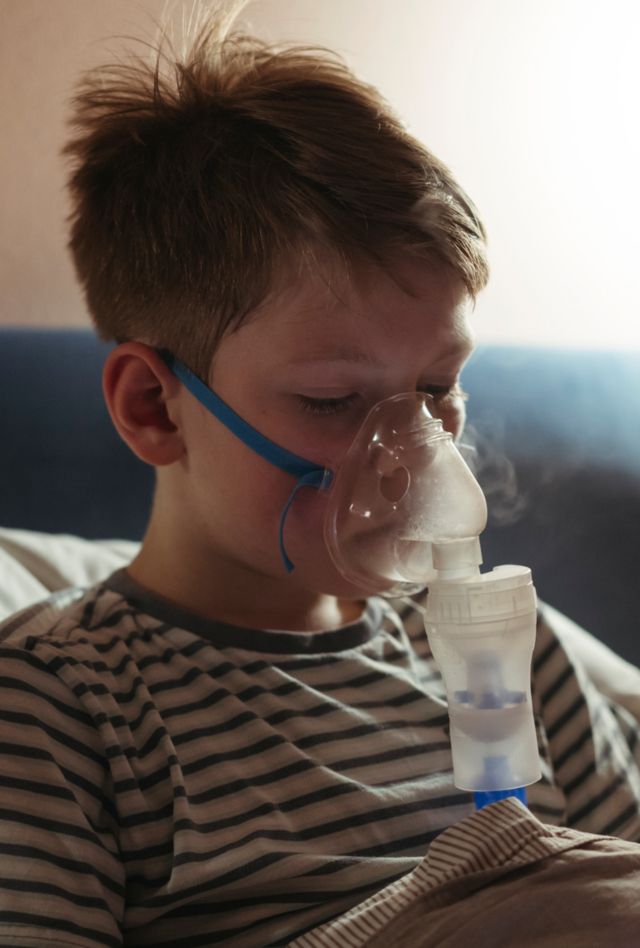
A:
(405, 511)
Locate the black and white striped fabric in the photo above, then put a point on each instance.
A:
(168, 781)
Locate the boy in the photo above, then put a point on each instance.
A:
(212, 747)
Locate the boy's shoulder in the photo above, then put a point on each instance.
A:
(61, 619)
(42, 617)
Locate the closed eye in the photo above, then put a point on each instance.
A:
(334, 406)
(327, 406)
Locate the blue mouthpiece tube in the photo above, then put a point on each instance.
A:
(485, 797)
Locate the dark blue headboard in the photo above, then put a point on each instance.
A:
(65, 469)
(568, 421)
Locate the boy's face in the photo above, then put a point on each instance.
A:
(304, 370)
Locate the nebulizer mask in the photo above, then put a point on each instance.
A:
(403, 512)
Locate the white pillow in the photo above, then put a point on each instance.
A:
(33, 565)
(611, 674)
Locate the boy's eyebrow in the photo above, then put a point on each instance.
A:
(463, 347)
(342, 354)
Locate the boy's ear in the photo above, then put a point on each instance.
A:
(141, 393)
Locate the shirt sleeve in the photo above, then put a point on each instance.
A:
(61, 881)
(593, 742)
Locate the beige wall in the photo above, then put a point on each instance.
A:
(531, 103)
(44, 46)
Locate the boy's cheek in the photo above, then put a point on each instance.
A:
(304, 525)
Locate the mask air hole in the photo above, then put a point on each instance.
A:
(394, 487)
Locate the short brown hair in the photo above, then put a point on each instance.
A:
(193, 184)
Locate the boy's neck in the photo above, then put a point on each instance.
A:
(223, 592)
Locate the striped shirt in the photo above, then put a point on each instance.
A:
(171, 781)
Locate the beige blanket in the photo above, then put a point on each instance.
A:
(502, 879)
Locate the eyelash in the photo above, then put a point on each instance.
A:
(326, 406)
(335, 406)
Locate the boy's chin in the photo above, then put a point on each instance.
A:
(320, 575)
(315, 569)
(341, 588)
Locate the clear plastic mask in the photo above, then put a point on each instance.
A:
(401, 486)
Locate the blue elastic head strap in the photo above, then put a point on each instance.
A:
(307, 473)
